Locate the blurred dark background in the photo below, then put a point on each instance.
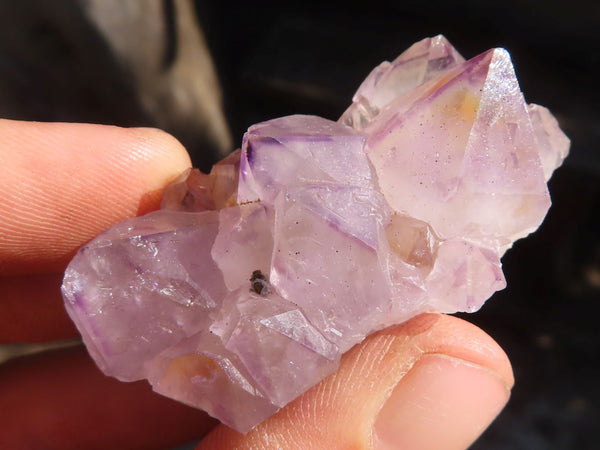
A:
(146, 63)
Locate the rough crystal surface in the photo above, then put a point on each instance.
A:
(247, 286)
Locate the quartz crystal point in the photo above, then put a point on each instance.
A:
(247, 286)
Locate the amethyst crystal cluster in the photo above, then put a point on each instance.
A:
(246, 287)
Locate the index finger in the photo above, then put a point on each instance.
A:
(62, 184)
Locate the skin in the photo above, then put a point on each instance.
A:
(433, 382)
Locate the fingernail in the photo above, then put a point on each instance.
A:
(442, 402)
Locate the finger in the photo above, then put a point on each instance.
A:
(433, 382)
(62, 184)
(59, 400)
(31, 309)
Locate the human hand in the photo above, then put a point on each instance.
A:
(433, 382)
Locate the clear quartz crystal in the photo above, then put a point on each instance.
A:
(247, 286)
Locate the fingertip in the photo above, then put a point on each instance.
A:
(442, 402)
(160, 158)
(169, 156)
(456, 337)
(65, 183)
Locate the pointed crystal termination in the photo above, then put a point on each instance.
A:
(249, 284)
(478, 163)
(553, 143)
(423, 61)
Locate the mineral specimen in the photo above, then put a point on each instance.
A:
(246, 287)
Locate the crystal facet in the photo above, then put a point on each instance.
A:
(247, 286)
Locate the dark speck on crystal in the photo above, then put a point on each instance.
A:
(259, 283)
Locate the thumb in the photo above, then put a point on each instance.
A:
(433, 382)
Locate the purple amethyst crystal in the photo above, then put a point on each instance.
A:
(244, 290)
